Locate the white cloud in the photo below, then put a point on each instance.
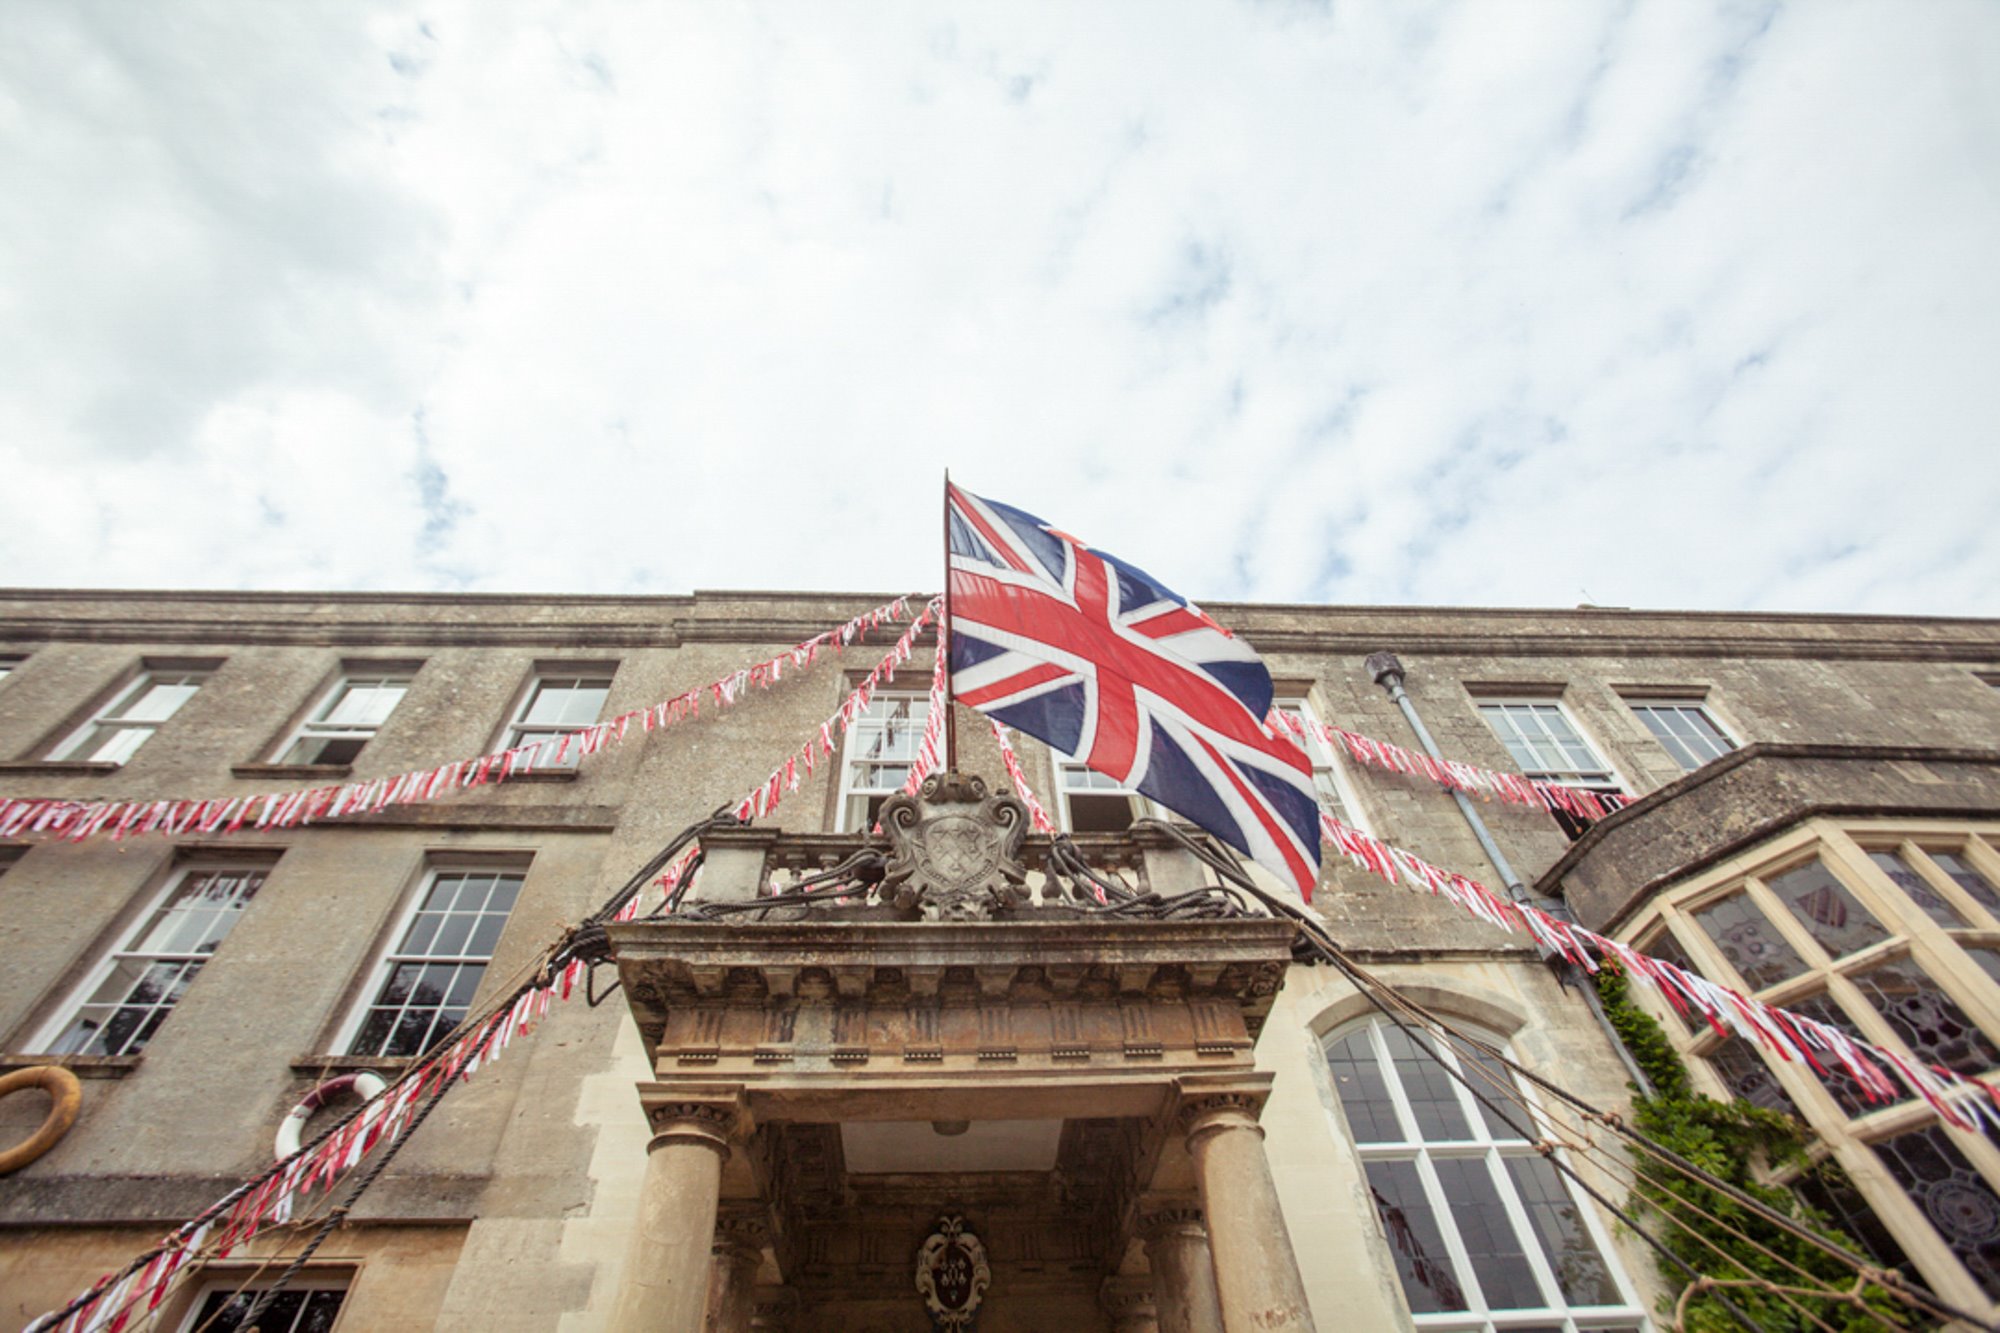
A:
(1485, 303)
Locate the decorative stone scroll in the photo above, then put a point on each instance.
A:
(955, 850)
(952, 1275)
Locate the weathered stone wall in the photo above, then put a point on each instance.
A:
(530, 1169)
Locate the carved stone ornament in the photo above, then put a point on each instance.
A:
(955, 850)
(952, 1275)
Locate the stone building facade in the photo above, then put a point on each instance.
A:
(1147, 1125)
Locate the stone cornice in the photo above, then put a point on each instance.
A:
(356, 619)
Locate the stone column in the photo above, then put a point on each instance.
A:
(740, 1235)
(665, 1287)
(773, 1309)
(1129, 1302)
(1256, 1273)
(1184, 1295)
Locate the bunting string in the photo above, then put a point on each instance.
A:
(1484, 783)
(1792, 1037)
(820, 747)
(1040, 817)
(272, 1197)
(75, 821)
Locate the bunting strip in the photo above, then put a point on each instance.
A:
(1791, 1036)
(272, 1197)
(1484, 783)
(791, 774)
(1040, 817)
(74, 821)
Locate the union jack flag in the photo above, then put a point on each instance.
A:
(1119, 673)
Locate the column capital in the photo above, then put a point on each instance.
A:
(1128, 1300)
(742, 1230)
(713, 1115)
(1230, 1102)
(1161, 1216)
(773, 1308)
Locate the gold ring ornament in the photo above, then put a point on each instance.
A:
(65, 1093)
(291, 1129)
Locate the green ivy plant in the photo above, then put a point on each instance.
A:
(1731, 1140)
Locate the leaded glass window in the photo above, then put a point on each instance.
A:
(1954, 1196)
(1749, 941)
(1484, 1231)
(1935, 1029)
(1827, 909)
(1918, 889)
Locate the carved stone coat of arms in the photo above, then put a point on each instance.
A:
(956, 850)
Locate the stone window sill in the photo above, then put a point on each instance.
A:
(83, 1066)
(58, 768)
(292, 770)
(387, 1065)
(544, 775)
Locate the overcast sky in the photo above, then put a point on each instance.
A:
(1660, 304)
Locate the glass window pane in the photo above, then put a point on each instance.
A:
(1432, 1093)
(1491, 1244)
(1917, 888)
(1969, 879)
(1357, 1081)
(1934, 1028)
(1493, 1082)
(1954, 1196)
(1579, 1268)
(1743, 1071)
(1828, 911)
(1430, 1283)
(158, 701)
(1751, 943)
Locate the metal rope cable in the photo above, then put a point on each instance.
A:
(1624, 1217)
(1578, 1139)
(1322, 946)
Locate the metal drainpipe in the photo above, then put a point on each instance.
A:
(1387, 672)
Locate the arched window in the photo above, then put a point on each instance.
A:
(1485, 1232)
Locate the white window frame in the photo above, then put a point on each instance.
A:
(1483, 1146)
(1605, 776)
(1642, 705)
(316, 726)
(393, 954)
(519, 731)
(1327, 760)
(249, 1281)
(1093, 784)
(112, 714)
(101, 970)
(852, 754)
(9, 661)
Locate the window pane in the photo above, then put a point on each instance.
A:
(1667, 949)
(1935, 1028)
(1357, 1080)
(1487, 1078)
(1954, 1197)
(1967, 878)
(1743, 1071)
(1751, 943)
(1687, 732)
(1429, 1282)
(364, 703)
(1432, 1093)
(1917, 888)
(159, 700)
(1828, 911)
(1579, 1268)
(419, 1001)
(1488, 1235)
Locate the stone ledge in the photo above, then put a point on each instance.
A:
(58, 768)
(292, 771)
(1753, 794)
(43, 1202)
(83, 1066)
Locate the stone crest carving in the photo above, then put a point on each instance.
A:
(952, 1275)
(955, 850)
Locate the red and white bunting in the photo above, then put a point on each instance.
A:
(1484, 783)
(1960, 1100)
(762, 799)
(930, 750)
(74, 821)
(1036, 814)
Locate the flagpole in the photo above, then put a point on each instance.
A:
(944, 640)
